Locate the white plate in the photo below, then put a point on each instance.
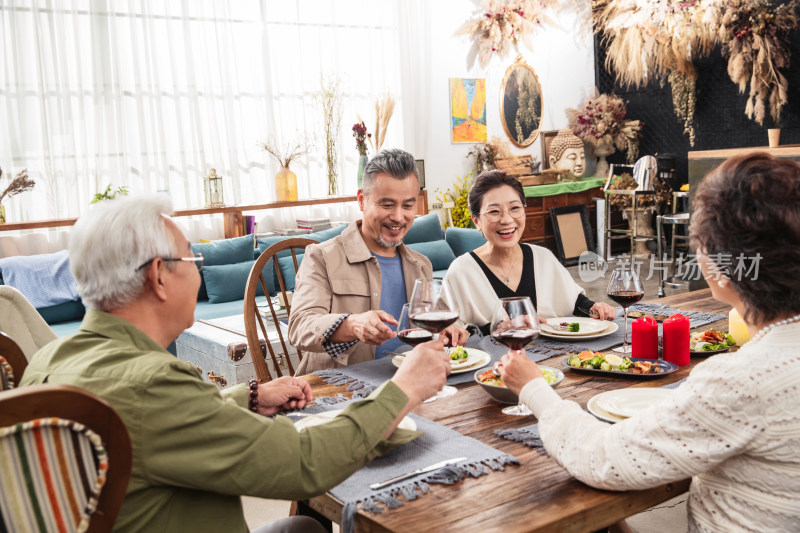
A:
(473, 356)
(630, 402)
(327, 416)
(601, 413)
(477, 359)
(611, 327)
(588, 326)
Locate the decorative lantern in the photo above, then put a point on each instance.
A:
(212, 184)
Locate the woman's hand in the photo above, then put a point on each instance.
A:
(517, 370)
(455, 336)
(602, 311)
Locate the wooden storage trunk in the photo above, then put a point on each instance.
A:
(515, 166)
(218, 348)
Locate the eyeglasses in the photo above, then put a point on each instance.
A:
(495, 214)
(197, 260)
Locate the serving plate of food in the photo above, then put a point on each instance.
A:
(573, 326)
(590, 362)
(709, 342)
(495, 387)
(610, 327)
(632, 401)
(474, 359)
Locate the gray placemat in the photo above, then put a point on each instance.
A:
(438, 443)
(529, 435)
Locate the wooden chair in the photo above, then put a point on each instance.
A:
(70, 460)
(255, 327)
(12, 362)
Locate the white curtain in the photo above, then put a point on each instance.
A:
(149, 95)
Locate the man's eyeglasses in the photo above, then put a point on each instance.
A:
(495, 214)
(197, 259)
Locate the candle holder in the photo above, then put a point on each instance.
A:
(212, 186)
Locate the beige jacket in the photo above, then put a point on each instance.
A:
(336, 277)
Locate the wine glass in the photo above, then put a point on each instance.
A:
(408, 334)
(515, 324)
(432, 308)
(625, 289)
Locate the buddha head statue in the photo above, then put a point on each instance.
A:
(566, 152)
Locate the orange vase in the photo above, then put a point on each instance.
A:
(286, 185)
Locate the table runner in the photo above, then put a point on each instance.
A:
(529, 435)
(436, 444)
(363, 378)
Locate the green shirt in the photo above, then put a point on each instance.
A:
(196, 449)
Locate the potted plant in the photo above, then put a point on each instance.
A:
(601, 122)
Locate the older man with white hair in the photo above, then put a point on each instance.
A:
(196, 449)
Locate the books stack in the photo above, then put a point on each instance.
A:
(314, 224)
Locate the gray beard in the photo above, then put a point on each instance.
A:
(387, 244)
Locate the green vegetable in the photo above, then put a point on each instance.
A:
(605, 366)
(625, 364)
(549, 375)
(459, 354)
(574, 327)
(574, 360)
(731, 341)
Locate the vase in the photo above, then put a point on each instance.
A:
(286, 185)
(362, 165)
(2, 214)
(643, 222)
(601, 151)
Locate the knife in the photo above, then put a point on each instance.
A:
(431, 468)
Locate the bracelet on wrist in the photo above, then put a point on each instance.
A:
(253, 400)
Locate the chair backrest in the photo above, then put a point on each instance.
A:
(22, 322)
(254, 324)
(12, 362)
(68, 460)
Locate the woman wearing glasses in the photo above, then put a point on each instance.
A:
(504, 267)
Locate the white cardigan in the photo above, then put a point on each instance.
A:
(556, 292)
(734, 425)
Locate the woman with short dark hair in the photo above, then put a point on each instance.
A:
(734, 424)
(504, 267)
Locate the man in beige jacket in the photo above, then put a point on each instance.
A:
(350, 290)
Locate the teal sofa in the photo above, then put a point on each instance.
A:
(227, 264)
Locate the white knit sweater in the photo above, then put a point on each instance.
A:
(556, 291)
(734, 425)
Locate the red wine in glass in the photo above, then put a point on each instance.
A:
(434, 321)
(626, 298)
(413, 337)
(516, 339)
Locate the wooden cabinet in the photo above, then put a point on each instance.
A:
(539, 227)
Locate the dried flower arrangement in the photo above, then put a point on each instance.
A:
(601, 121)
(21, 183)
(330, 98)
(285, 153)
(484, 154)
(499, 25)
(384, 108)
(361, 135)
(459, 196)
(659, 39)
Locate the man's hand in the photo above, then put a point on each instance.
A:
(367, 327)
(423, 372)
(284, 393)
(516, 370)
(455, 336)
(602, 311)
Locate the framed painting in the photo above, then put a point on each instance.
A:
(468, 110)
(421, 169)
(521, 103)
(573, 232)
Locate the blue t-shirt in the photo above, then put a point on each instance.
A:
(393, 296)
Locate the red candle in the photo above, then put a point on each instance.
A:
(644, 338)
(676, 339)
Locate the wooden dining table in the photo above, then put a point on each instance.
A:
(537, 495)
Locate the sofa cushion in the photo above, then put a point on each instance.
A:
(225, 283)
(287, 271)
(463, 240)
(224, 252)
(438, 252)
(424, 229)
(63, 312)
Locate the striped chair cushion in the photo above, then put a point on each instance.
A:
(7, 380)
(52, 471)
